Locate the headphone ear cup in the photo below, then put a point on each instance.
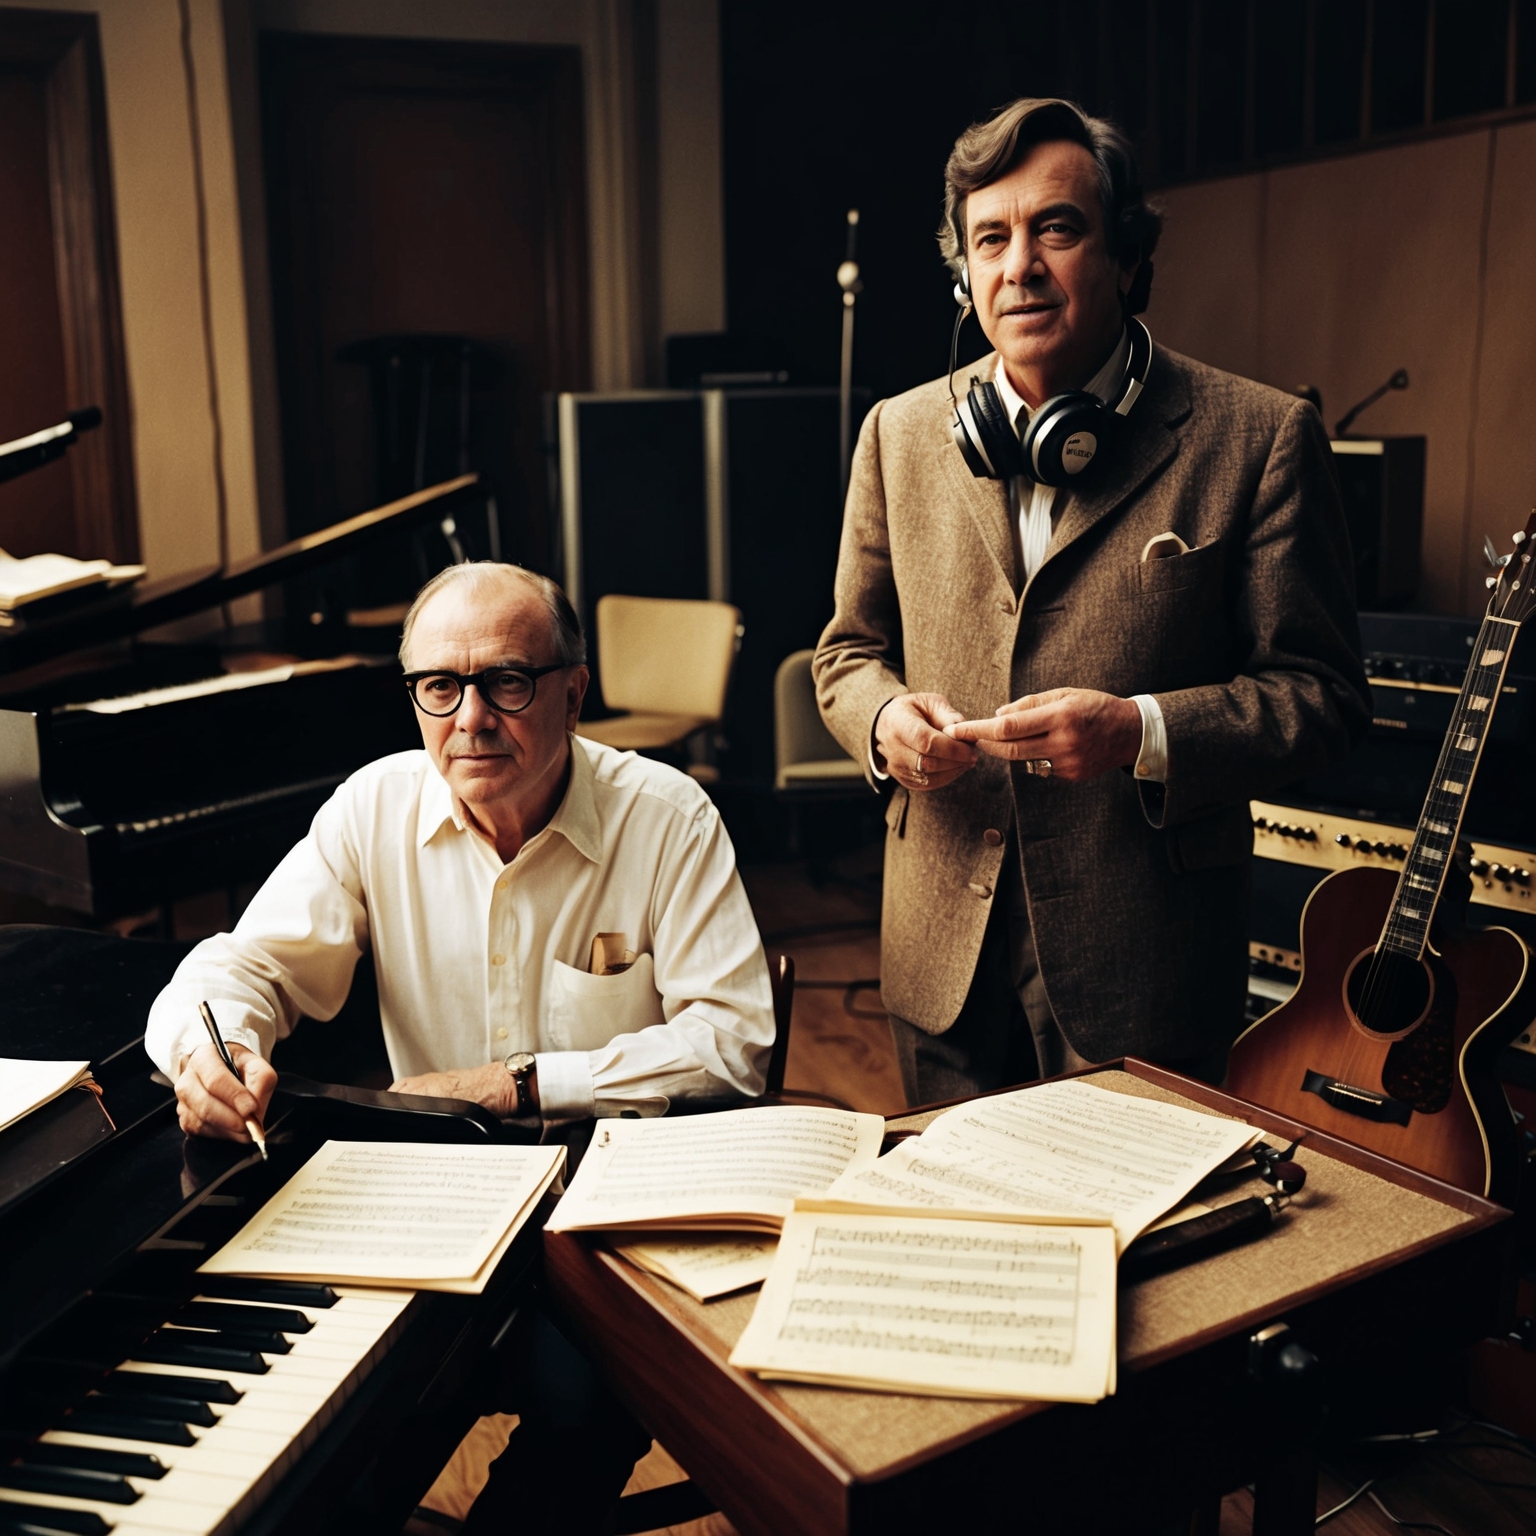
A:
(1065, 436)
(999, 442)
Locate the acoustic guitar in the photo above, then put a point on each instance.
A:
(1392, 1037)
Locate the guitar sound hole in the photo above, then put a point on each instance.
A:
(1388, 994)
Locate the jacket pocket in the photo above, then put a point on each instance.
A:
(1178, 573)
(1211, 841)
(587, 1011)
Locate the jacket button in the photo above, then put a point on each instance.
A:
(992, 838)
(1005, 605)
(980, 889)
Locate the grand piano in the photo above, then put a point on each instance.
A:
(133, 772)
(135, 1397)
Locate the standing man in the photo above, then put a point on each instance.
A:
(1071, 642)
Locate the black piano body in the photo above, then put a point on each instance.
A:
(200, 784)
(101, 1231)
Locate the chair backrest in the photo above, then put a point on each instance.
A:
(781, 977)
(668, 656)
(798, 734)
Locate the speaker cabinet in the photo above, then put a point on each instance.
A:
(1381, 481)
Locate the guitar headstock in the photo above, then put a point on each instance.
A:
(1514, 588)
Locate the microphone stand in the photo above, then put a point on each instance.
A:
(848, 281)
(1399, 380)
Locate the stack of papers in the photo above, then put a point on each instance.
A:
(423, 1217)
(978, 1259)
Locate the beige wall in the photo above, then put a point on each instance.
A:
(1338, 272)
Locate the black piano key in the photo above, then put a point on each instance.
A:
(144, 1405)
(229, 1314)
(75, 1482)
(230, 1338)
(293, 1293)
(40, 1520)
(129, 1463)
(203, 1389)
(122, 1426)
(164, 1349)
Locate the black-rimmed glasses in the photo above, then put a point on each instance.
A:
(508, 690)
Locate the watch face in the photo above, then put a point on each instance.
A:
(520, 1061)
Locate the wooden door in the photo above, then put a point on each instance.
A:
(423, 189)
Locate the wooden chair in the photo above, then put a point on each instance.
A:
(666, 664)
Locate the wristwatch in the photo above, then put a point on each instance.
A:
(524, 1067)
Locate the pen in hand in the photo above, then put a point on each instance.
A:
(252, 1129)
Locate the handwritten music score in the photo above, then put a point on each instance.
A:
(1056, 1152)
(430, 1217)
(926, 1304)
(738, 1171)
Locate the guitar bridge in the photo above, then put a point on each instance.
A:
(1357, 1101)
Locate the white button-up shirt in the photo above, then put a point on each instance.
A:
(1032, 505)
(476, 958)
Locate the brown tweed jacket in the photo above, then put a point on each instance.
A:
(1138, 894)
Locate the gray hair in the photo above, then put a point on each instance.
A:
(564, 625)
(986, 152)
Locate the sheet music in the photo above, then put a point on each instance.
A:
(740, 1167)
(703, 1265)
(225, 682)
(925, 1304)
(406, 1212)
(26, 1085)
(1060, 1149)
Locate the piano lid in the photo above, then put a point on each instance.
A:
(119, 615)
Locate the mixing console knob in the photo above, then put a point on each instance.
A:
(1500, 872)
(1398, 851)
(1520, 876)
(1479, 866)
(1307, 835)
(1344, 840)
(1261, 823)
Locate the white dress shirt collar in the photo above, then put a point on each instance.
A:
(575, 818)
(1101, 384)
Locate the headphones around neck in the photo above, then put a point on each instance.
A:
(1064, 435)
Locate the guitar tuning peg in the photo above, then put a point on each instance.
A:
(1490, 581)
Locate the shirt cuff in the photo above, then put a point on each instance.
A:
(874, 755)
(1152, 760)
(565, 1085)
(194, 1035)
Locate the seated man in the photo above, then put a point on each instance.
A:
(481, 871)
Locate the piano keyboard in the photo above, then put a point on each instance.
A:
(190, 1434)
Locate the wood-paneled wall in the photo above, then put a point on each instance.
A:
(1337, 272)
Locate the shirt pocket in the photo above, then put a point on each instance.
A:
(587, 1011)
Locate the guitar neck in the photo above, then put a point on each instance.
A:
(1434, 842)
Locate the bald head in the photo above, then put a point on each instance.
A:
(491, 580)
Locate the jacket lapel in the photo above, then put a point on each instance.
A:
(1146, 447)
(986, 501)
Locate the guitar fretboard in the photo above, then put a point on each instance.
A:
(1418, 890)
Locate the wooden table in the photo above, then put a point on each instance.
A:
(1374, 1262)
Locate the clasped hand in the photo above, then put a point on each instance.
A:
(1083, 733)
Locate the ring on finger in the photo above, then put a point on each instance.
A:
(1039, 767)
(919, 777)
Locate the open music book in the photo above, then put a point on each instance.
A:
(24, 581)
(951, 1307)
(26, 1085)
(428, 1217)
(1057, 1152)
(737, 1171)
